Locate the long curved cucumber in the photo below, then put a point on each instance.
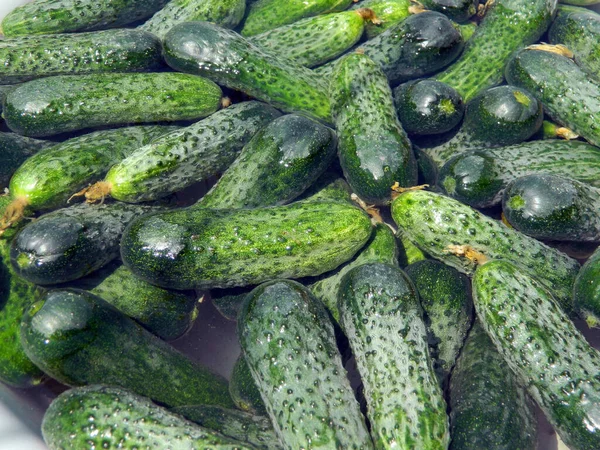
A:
(14, 151)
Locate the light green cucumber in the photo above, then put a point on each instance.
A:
(388, 12)
(408, 253)
(14, 151)
(243, 389)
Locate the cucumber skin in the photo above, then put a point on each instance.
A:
(243, 389)
(14, 151)
(236, 63)
(433, 222)
(586, 291)
(543, 348)
(390, 12)
(72, 336)
(459, 10)
(374, 150)
(176, 249)
(109, 417)
(507, 26)
(63, 103)
(26, 58)
(288, 341)
(380, 314)
(489, 409)
(183, 157)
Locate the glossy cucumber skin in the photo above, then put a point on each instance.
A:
(381, 315)
(507, 26)
(67, 16)
(374, 150)
(489, 408)
(63, 103)
(26, 58)
(586, 291)
(433, 222)
(243, 389)
(543, 348)
(458, 10)
(390, 12)
(279, 163)
(177, 249)
(110, 417)
(183, 157)
(227, 58)
(14, 150)
(288, 341)
(72, 336)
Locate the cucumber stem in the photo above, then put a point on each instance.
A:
(96, 193)
(484, 8)
(565, 133)
(397, 189)
(416, 7)
(14, 212)
(559, 49)
(371, 210)
(369, 14)
(468, 252)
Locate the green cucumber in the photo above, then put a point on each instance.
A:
(435, 222)
(408, 252)
(14, 150)
(458, 10)
(389, 13)
(586, 291)
(79, 339)
(243, 389)
(53, 105)
(26, 58)
(227, 58)
(290, 347)
(506, 27)
(110, 417)
(380, 314)
(208, 248)
(488, 407)
(330, 187)
(374, 150)
(229, 301)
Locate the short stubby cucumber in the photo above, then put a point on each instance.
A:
(374, 150)
(14, 150)
(436, 223)
(507, 26)
(242, 387)
(388, 13)
(227, 58)
(381, 315)
(586, 291)
(79, 339)
(290, 347)
(209, 248)
(63, 103)
(459, 10)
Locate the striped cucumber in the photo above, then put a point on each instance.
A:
(389, 13)
(242, 387)
(14, 151)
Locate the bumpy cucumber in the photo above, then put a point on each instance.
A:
(78, 339)
(289, 342)
(435, 222)
(389, 13)
(208, 248)
(232, 61)
(14, 150)
(459, 10)
(110, 417)
(445, 296)
(488, 407)
(72, 102)
(243, 389)
(374, 150)
(507, 26)
(380, 313)
(586, 291)
(30, 57)
(66, 16)
(276, 166)
(544, 349)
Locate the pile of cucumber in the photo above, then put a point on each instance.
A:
(397, 202)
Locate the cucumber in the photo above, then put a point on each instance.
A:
(374, 150)
(586, 294)
(66, 16)
(26, 58)
(543, 348)
(488, 407)
(229, 302)
(209, 248)
(389, 13)
(110, 417)
(506, 27)
(14, 150)
(550, 130)
(380, 314)
(408, 252)
(264, 15)
(480, 177)
(329, 187)
(64, 103)
(435, 222)
(228, 59)
(72, 335)
(243, 389)
(445, 296)
(290, 347)
(458, 10)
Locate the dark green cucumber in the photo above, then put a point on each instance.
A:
(458, 10)
(79, 339)
(586, 291)
(109, 417)
(543, 348)
(488, 407)
(389, 13)
(374, 151)
(14, 150)
(64, 103)
(232, 61)
(229, 302)
(30, 57)
(480, 177)
(435, 222)
(209, 248)
(243, 389)
(380, 314)
(290, 347)
(329, 187)
(507, 26)
(445, 296)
